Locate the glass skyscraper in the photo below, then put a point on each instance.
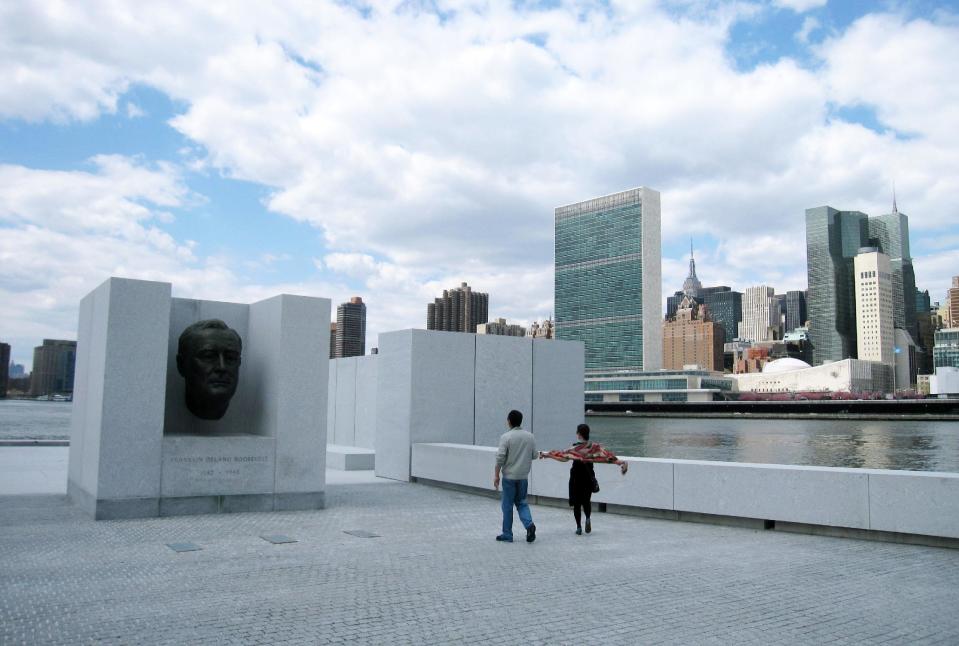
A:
(832, 240)
(608, 279)
(795, 310)
(890, 233)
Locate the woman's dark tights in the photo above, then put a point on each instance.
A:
(577, 514)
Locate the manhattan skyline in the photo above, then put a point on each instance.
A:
(391, 150)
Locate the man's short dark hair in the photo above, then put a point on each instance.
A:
(583, 430)
(209, 324)
(515, 419)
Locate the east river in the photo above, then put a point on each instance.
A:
(874, 444)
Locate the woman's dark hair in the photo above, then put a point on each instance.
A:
(583, 430)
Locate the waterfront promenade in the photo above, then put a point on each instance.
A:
(434, 574)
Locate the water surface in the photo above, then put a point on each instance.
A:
(873, 444)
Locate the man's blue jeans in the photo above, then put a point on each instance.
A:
(514, 493)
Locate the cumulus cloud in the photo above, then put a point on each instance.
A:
(431, 147)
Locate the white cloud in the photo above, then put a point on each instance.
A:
(433, 151)
(134, 111)
(800, 6)
(809, 25)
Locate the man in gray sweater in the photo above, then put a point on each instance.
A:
(517, 448)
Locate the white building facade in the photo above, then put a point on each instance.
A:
(760, 314)
(875, 331)
(792, 375)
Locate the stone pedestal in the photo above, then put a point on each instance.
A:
(135, 449)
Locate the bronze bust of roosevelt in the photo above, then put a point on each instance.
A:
(208, 358)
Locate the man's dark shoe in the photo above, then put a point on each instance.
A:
(505, 539)
(531, 533)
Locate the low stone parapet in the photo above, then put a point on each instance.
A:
(897, 504)
(349, 458)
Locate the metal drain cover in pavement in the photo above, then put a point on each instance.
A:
(277, 539)
(362, 533)
(184, 547)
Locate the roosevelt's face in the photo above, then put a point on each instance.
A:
(212, 364)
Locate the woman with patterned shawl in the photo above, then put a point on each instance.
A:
(584, 454)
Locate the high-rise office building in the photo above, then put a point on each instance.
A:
(760, 314)
(924, 331)
(781, 305)
(500, 327)
(832, 240)
(54, 363)
(458, 310)
(350, 337)
(4, 368)
(795, 310)
(952, 304)
(691, 337)
(332, 340)
(608, 279)
(726, 309)
(875, 332)
(890, 234)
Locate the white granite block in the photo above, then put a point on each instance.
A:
(648, 483)
(442, 387)
(196, 465)
(349, 458)
(331, 401)
(345, 429)
(504, 371)
(799, 494)
(131, 418)
(301, 368)
(914, 502)
(558, 386)
(455, 463)
(89, 375)
(394, 379)
(365, 417)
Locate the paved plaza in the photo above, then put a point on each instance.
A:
(434, 574)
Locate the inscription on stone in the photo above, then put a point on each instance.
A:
(195, 466)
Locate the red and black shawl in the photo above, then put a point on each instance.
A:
(585, 451)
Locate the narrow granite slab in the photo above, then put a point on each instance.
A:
(184, 547)
(278, 539)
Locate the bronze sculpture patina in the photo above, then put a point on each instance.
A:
(208, 358)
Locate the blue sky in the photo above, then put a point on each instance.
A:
(390, 149)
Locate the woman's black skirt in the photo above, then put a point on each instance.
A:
(580, 483)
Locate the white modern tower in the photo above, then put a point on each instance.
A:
(760, 314)
(875, 333)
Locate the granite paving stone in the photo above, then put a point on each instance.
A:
(435, 575)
